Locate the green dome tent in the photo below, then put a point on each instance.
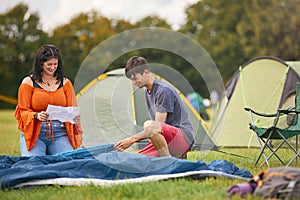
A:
(112, 109)
(263, 84)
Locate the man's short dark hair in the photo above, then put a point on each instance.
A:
(135, 65)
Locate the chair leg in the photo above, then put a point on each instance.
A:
(294, 158)
(273, 153)
(265, 144)
(297, 147)
(297, 153)
(262, 153)
(263, 148)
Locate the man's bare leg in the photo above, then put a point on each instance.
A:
(159, 142)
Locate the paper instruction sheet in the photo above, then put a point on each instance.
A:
(63, 114)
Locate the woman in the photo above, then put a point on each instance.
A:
(46, 85)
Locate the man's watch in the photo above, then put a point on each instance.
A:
(36, 116)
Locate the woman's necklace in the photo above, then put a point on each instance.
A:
(47, 83)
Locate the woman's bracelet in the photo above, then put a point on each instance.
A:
(36, 116)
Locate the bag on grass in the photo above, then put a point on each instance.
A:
(278, 183)
(273, 183)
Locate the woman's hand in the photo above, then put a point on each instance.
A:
(42, 116)
(76, 119)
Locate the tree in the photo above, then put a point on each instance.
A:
(214, 25)
(78, 38)
(168, 61)
(236, 31)
(20, 37)
(152, 21)
(265, 33)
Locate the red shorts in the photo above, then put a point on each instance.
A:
(175, 139)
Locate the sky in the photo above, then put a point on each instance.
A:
(57, 12)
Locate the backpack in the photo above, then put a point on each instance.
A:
(273, 183)
(278, 183)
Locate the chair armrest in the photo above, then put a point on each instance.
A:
(288, 111)
(260, 114)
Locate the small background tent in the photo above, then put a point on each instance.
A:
(112, 109)
(199, 103)
(263, 84)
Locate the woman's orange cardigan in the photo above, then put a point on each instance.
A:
(31, 127)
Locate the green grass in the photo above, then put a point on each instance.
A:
(181, 189)
(9, 143)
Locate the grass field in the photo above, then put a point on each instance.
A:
(181, 189)
(9, 143)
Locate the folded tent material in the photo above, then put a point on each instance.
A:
(103, 163)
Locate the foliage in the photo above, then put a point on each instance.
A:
(236, 31)
(231, 31)
(20, 37)
(77, 38)
(213, 25)
(269, 33)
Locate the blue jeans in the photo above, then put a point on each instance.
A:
(44, 144)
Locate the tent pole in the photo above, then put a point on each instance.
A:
(132, 104)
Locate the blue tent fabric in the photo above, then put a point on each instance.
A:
(101, 162)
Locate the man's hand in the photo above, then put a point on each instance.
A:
(124, 144)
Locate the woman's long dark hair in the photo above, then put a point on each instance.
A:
(45, 53)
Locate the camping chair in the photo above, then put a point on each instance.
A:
(265, 135)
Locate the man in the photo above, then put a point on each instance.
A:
(170, 130)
